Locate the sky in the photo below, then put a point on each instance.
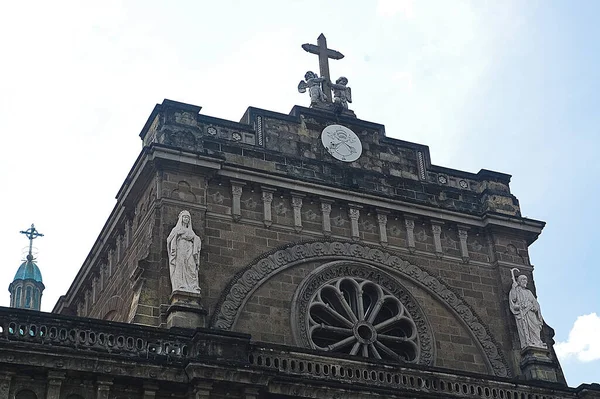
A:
(511, 86)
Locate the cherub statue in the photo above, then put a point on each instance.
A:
(313, 83)
(341, 93)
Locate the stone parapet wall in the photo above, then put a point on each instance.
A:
(289, 145)
(55, 356)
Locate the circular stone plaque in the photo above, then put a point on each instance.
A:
(342, 143)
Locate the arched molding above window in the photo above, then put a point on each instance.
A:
(244, 283)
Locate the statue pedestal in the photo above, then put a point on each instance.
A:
(537, 365)
(185, 310)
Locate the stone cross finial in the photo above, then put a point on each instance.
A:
(324, 54)
(31, 233)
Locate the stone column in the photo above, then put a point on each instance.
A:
(236, 197)
(297, 205)
(436, 229)
(95, 290)
(88, 302)
(202, 390)
(103, 279)
(128, 224)
(150, 390)
(462, 235)
(326, 213)
(267, 198)
(103, 389)
(382, 217)
(111, 261)
(354, 214)
(409, 222)
(55, 380)
(251, 393)
(5, 380)
(119, 245)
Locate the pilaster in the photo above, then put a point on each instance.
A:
(236, 196)
(409, 223)
(326, 213)
(354, 214)
(267, 198)
(436, 229)
(297, 206)
(382, 217)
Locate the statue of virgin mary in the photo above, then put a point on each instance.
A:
(183, 247)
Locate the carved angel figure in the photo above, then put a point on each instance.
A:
(313, 83)
(341, 93)
(527, 312)
(183, 248)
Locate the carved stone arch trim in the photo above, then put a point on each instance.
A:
(114, 309)
(245, 282)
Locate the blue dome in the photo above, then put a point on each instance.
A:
(28, 271)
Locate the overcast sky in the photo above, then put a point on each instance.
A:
(511, 86)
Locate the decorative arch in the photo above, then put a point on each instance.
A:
(244, 283)
(115, 309)
(26, 394)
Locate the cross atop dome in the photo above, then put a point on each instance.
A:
(31, 233)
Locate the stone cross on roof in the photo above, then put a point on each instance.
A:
(32, 234)
(324, 54)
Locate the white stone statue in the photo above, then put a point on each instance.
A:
(527, 312)
(313, 83)
(183, 247)
(341, 93)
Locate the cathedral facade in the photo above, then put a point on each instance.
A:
(300, 255)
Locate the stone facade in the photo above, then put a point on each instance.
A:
(273, 208)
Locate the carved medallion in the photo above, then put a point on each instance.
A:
(342, 143)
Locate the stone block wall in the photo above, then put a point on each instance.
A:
(258, 186)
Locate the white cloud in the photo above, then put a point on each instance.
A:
(584, 340)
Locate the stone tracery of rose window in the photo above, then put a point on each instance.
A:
(359, 317)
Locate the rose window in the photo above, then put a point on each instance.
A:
(360, 317)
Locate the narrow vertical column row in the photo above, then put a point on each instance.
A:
(326, 216)
(354, 214)
(267, 198)
(409, 222)
(436, 229)
(382, 217)
(297, 206)
(236, 195)
(462, 236)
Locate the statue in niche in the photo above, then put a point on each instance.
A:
(527, 312)
(342, 94)
(313, 83)
(183, 247)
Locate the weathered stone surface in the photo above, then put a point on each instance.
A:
(263, 194)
